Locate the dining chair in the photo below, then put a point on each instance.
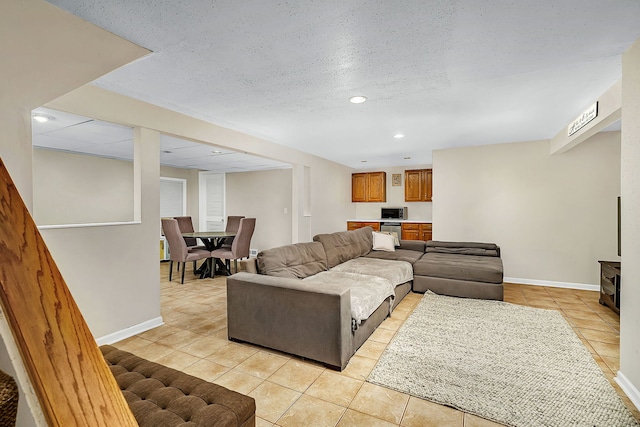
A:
(185, 224)
(240, 246)
(178, 250)
(233, 223)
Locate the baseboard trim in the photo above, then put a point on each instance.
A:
(130, 331)
(629, 389)
(567, 285)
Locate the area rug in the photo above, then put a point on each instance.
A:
(518, 366)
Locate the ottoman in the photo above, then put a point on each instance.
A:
(160, 396)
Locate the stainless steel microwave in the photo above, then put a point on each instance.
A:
(394, 213)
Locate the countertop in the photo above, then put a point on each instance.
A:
(407, 221)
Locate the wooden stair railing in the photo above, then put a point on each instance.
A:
(68, 373)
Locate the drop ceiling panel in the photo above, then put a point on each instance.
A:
(70, 132)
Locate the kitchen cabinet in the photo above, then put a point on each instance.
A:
(354, 225)
(369, 187)
(417, 231)
(418, 185)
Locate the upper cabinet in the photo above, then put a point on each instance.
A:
(417, 185)
(369, 187)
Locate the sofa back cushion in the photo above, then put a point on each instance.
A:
(345, 245)
(297, 261)
(463, 248)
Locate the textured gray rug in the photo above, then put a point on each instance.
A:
(518, 366)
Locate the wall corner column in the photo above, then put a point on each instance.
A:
(629, 373)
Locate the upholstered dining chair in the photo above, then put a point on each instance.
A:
(178, 250)
(185, 224)
(240, 246)
(233, 223)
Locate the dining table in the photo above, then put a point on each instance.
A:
(212, 240)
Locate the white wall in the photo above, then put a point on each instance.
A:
(629, 373)
(553, 216)
(263, 195)
(78, 189)
(418, 211)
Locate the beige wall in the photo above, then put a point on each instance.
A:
(263, 195)
(78, 189)
(191, 175)
(630, 176)
(554, 216)
(330, 183)
(76, 53)
(418, 211)
(112, 271)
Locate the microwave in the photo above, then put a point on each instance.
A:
(394, 213)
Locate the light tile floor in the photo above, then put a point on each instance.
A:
(290, 391)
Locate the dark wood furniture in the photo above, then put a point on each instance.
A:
(369, 187)
(212, 240)
(610, 284)
(418, 185)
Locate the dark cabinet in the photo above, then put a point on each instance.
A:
(610, 284)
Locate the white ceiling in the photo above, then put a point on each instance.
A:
(78, 134)
(446, 73)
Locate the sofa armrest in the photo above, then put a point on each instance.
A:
(413, 245)
(305, 319)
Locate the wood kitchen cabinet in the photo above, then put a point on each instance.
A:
(417, 231)
(418, 185)
(369, 187)
(354, 225)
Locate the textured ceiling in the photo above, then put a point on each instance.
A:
(446, 73)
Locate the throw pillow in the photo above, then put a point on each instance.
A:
(383, 242)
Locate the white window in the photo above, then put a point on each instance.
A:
(173, 197)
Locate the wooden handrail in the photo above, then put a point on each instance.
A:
(69, 375)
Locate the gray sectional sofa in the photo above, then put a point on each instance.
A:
(321, 300)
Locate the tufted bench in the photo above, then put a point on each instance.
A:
(164, 397)
(9, 396)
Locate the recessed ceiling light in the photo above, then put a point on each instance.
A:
(217, 152)
(407, 158)
(39, 117)
(398, 136)
(363, 161)
(357, 99)
(166, 151)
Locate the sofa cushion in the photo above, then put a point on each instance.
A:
(345, 245)
(413, 245)
(461, 267)
(297, 261)
(463, 248)
(367, 292)
(397, 272)
(407, 255)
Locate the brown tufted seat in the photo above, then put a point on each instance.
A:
(164, 397)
